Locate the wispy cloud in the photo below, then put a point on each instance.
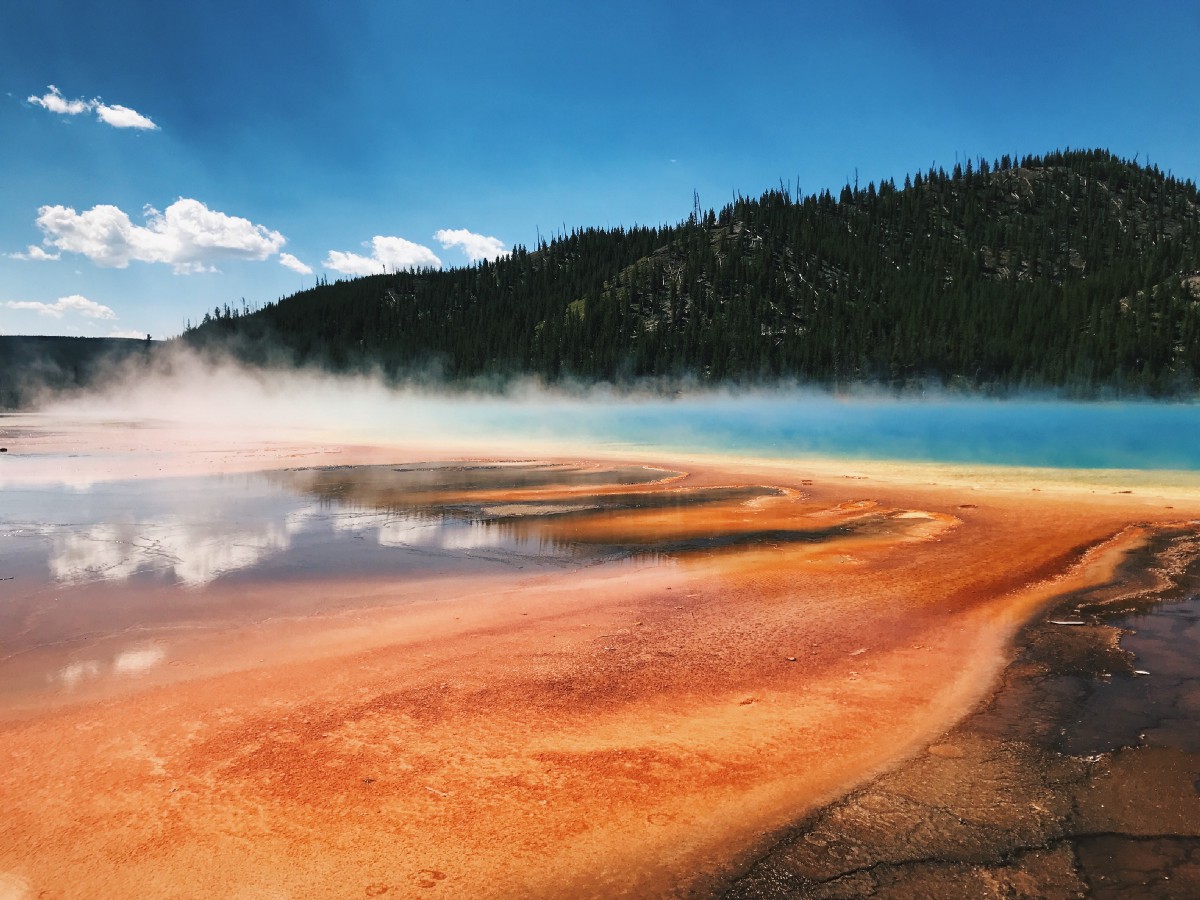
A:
(187, 235)
(387, 254)
(286, 259)
(74, 303)
(34, 252)
(476, 246)
(113, 114)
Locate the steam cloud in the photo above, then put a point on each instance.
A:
(218, 396)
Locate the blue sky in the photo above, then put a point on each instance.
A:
(209, 139)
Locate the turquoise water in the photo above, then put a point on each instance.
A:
(1026, 433)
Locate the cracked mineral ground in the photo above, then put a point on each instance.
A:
(1079, 778)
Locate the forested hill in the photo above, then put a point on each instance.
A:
(1075, 270)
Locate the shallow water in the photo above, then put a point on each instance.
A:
(124, 565)
(192, 531)
(1160, 706)
(82, 567)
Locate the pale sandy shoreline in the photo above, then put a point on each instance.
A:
(630, 733)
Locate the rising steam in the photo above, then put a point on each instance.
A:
(216, 394)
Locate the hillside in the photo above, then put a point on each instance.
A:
(1076, 270)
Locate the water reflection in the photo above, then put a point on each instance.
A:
(541, 510)
(131, 662)
(191, 553)
(192, 531)
(424, 530)
(135, 662)
(392, 519)
(71, 675)
(84, 569)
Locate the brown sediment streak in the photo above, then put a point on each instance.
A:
(1095, 568)
(617, 730)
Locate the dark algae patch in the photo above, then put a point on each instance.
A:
(1080, 777)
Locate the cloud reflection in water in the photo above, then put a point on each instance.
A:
(135, 662)
(195, 554)
(130, 662)
(192, 531)
(224, 535)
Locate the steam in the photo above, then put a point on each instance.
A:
(215, 394)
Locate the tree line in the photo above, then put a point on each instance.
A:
(1076, 270)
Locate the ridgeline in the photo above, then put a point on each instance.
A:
(1076, 271)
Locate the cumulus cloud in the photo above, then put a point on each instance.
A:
(352, 263)
(113, 114)
(286, 259)
(387, 254)
(476, 246)
(188, 236)
(123, 117)
(54, 101)
(74, 303)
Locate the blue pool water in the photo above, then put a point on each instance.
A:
(1128, 435)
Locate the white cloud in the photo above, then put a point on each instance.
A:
(476, 246)
(113, 114)
(123, 117)
(387, 254)
(286, 259)
(127, 333)
(188, 236)
(36, 253)
(74, 303)
(352, 263)
(397, 253)
(54, 101)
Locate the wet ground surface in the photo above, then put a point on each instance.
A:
(1080, 778)
(532, 679)
(309, 522)
(623, 679)
(128, 563)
